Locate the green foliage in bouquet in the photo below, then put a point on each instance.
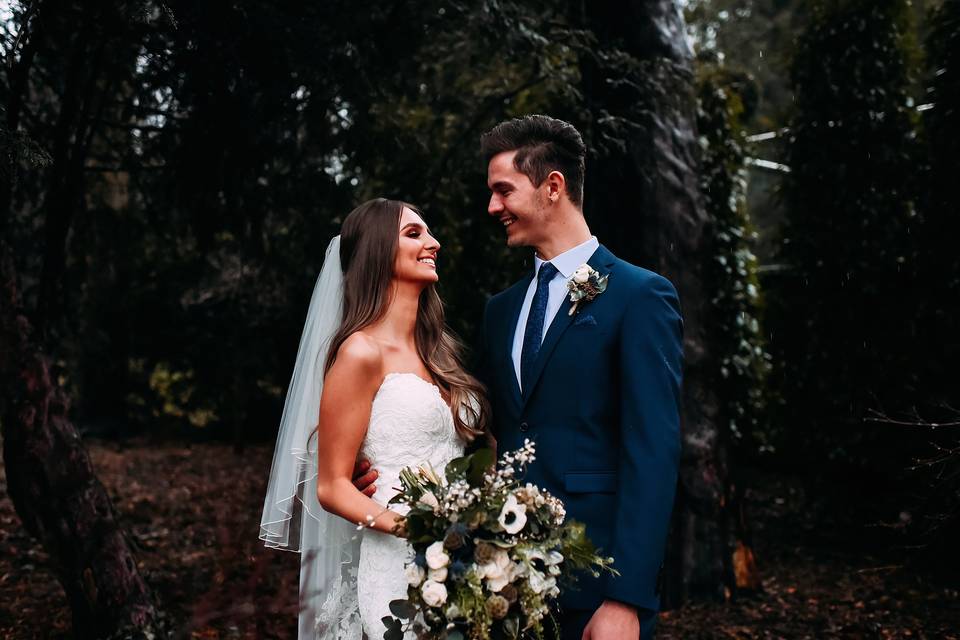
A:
(491, 553)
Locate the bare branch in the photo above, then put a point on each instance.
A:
(876, 416)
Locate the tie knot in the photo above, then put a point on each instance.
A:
(547, 271)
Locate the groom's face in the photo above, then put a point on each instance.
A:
(516, 202)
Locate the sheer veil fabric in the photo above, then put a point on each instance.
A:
(293, 519)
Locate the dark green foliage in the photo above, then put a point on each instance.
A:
(737, 335)
(755, 37)
(230, 143)
(418, 117)
(939, 259)
(844, 325)
(937, 512)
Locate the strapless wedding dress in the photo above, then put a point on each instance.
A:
(410, 425)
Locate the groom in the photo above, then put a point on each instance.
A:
(597, 387)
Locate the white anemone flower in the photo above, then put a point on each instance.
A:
(513, 515)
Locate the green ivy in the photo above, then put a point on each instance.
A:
(737, 337)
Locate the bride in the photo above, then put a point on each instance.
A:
(378, 376)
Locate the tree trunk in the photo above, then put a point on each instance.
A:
(642, 132)
(54, 489)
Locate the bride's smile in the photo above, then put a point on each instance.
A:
(416, 250)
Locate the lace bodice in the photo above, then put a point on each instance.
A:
(410, 425)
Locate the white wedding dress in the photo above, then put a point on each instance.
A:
(410, 425)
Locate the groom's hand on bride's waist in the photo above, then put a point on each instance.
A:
(613, 621)
(364, 477)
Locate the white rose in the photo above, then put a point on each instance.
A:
(497, 571)
(582, 274)
(490, 570)
(434, 593)
(513, 515)
(436, 556)
(497, 565)
(429, 500)
(414, 573)
(437, 575)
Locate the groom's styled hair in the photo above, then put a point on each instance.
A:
(543, 144)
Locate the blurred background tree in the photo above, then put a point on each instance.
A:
(845, 311)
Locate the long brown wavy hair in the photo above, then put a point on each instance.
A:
(368, 246)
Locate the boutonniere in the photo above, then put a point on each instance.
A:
(585, 284)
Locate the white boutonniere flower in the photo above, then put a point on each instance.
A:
(585, 285)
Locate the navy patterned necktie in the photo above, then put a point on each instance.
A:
(533, 333)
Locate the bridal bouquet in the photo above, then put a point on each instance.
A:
(491, 552)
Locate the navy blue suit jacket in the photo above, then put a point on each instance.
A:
(603, 410)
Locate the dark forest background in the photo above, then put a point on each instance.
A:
(171, 172)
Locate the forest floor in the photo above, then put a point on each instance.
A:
(193, 511)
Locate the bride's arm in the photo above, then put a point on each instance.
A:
(348, 392)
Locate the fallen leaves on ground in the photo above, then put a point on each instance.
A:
(192, 513)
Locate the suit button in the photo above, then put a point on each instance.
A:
(524, 426)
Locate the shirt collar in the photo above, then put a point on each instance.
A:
(568, 261)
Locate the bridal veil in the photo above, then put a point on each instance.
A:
(293, 519)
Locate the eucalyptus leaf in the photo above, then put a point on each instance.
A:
(480, 463)
(393, 633)
(402, 609)
(456, 468)
(503, 544)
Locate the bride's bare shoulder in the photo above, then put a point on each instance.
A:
(360, 353)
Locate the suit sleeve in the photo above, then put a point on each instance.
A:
(651, 360)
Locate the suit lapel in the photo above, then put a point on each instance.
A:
(602, 261)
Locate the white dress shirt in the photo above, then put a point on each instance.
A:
(566, 263)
